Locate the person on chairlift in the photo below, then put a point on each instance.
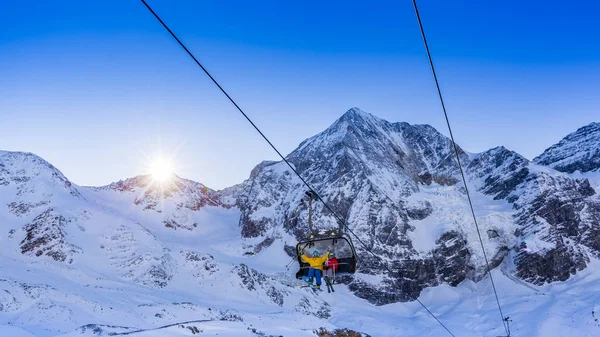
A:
(316, 266)
(330, 268)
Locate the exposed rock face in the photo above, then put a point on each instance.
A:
(201, 265)
(452, 258)
(502, 170)
(46, 236)
(419, 211)
(579, 151)
(558, 218)
(308, 307)
(554, 264)
(254, 281)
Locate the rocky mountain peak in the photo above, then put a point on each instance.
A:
(578, 151)
(344, 129)
(357, 116)
(359, 136)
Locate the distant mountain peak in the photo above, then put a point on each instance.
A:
(358, 139)
(151, 194)
(356, 111)
(578, 151)
(166, 188)
(25, 168)
(595, 125)
(357, 116)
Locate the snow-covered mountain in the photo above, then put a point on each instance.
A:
(578, 151)
(578, 154)
(556, 216)
(132, 254)
(397, 186)
(146, 258)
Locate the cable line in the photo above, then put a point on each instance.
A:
(338, 218)
(455, 147)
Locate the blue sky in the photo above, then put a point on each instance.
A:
(97, 87)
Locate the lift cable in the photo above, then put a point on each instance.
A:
(338, 218)
(456, 152)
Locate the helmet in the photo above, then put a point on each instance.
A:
(315, 253)
(331, 254)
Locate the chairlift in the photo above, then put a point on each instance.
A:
(340, 244)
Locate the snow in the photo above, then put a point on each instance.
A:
(560, 309)
(451, 211)
(7, 330)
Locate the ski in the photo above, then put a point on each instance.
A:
(329, 284)
(314, 289)
(313, 286)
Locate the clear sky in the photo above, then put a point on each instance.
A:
(96, 87)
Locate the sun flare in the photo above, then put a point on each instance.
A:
(161, 170)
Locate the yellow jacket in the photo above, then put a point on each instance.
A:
(315, 262)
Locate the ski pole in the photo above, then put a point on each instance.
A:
(287, 266)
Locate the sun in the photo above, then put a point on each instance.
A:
(161, 169)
